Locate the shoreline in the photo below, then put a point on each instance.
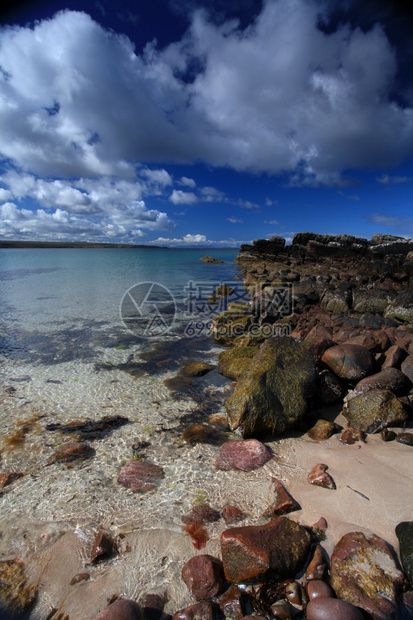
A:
(132, 571)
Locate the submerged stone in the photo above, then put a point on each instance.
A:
(140, 476)
(121, 610)
(197, 369)
(72, 451)
(271, 395)
(243, 454)
(204, 576)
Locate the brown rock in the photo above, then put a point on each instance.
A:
(318, 340)
(121, 610)
(234, 603)
(374, 410)
(349, 361)
(407, 367)
(406, 438)
(322, 430)
(332, 609)
(205, 610)
(316, 588)
(243, 454)
(72, 451)
(364, 572)
(329, 388)
(103, 547)
(232, 514)
(394, 357)
(281, 610)
(283, 504)
(277, 549)
(202, 513)
(317, 566)
(140, 476)
(387, 379)
(197, 369)
(387, 435)
(204, 576)
(319, 476)
(350, 436)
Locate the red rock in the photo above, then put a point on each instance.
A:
(318, 340)
(364, 572)
(205, 610)
(72, 451)
(387, 379)
(332, 609)
(319, 476)
(103, 547)
(121, 610)
(316, 588)
(283, 504)
(351, 435)
(243, 454)
(394, 357)
(202, 513)
(317, 566)
(321, 525)
(152, 601)
(204, 576)
(277, 549)
(140, 476)
(232, 514)
(233, 603)
(349, 361)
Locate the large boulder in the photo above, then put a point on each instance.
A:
(364, 573)
(271, 395)
(404, 533)
(276, 550)
(374, 410)
(349, 361)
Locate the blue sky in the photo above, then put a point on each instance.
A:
(205, 123)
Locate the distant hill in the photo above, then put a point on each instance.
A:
(71, 244)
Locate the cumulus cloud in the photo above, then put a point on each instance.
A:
(234, 220)
(77, 101)
(187, 181)
(178, 197)
(190, 240)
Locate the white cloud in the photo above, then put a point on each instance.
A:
(77, 101)
(270, 203)
(234, 220)
(393, 179)
(271, 222)
(187, 181)
(212, 194)
(178, 197)
(196, 240)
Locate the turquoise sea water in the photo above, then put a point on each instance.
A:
(70, 295)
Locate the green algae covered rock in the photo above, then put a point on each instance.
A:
(374, 410)
(233, 362)
(271, 394)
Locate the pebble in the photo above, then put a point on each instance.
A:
(322, 430)
(204, 576)
(245, 455)
(351, 436)
(121, 610)
(202, 513)
(284, 503)
(317, 566)
(234, 602)
(316, 588)
(140, 476)
(103, 547)
(232, 514)
(205, 610)
(406, 438)
(387, 435)
(332, 609)
(72, 451)
(21, 378)
(319, 476)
